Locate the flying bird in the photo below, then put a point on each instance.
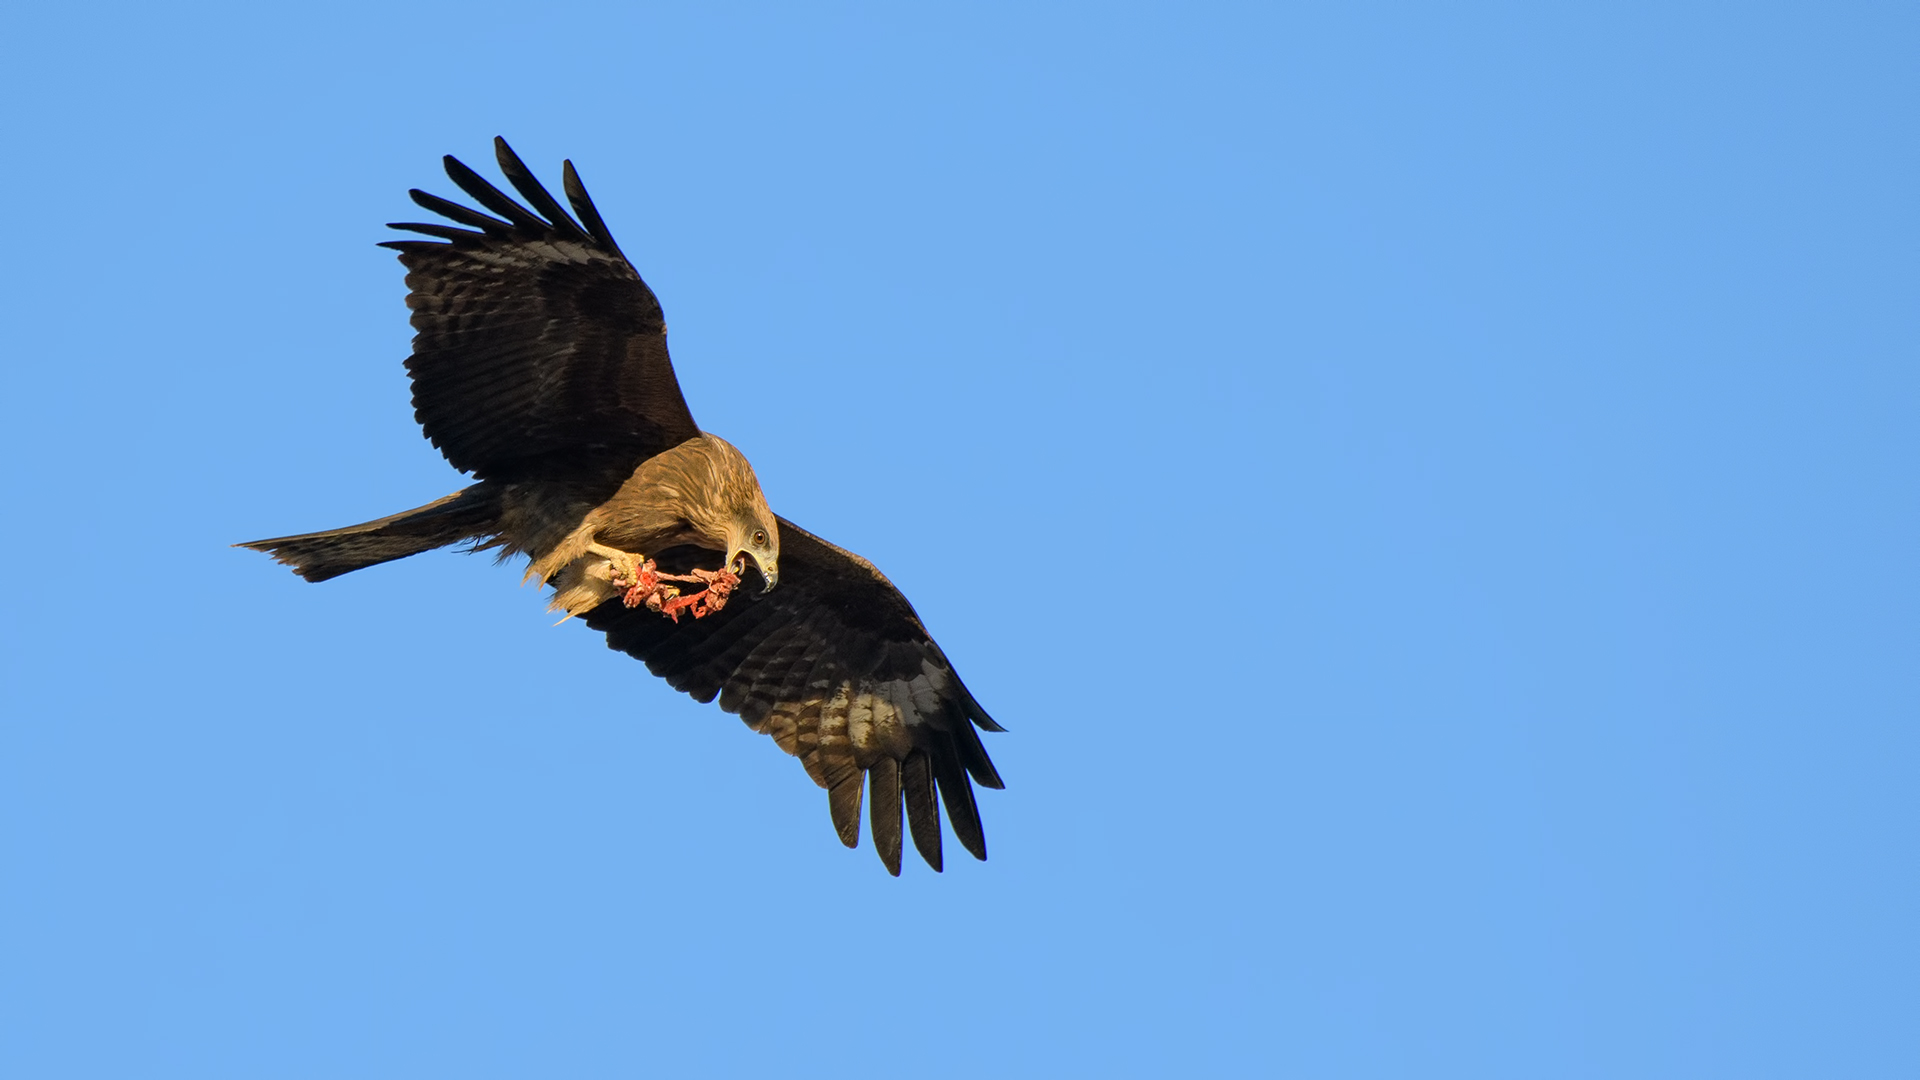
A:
(540, 368)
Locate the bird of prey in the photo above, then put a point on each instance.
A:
(540, 367)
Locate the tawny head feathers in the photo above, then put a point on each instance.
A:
(715, 489)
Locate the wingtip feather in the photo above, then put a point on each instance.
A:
(843, 803)
(583, 206)
(963, 815)
(883, 820)
(453, 211)
(923, 806)
(493, 198)
(536, 193)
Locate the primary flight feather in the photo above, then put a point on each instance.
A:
(540, 367)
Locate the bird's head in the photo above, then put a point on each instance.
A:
(756, 538)
(751, 530)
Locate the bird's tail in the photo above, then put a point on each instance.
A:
(469, 514)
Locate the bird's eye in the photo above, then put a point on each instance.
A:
(759, 538)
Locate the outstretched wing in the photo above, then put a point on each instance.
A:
(540, 352)
(835, 665)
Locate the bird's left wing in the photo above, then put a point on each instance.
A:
(837, 668)
(540, 353)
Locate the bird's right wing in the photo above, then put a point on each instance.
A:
(837, 668)
(540, 352)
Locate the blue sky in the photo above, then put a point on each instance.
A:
(1430, 491)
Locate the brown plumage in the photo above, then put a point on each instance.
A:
(540, 366)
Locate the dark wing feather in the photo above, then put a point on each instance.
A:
(837, 668)
(540, 353)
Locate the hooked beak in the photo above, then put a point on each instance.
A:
(768, 571)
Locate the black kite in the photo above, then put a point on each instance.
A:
(540, 367)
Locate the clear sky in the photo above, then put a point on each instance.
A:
(1430, 491)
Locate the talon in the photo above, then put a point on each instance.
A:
(641, 583)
